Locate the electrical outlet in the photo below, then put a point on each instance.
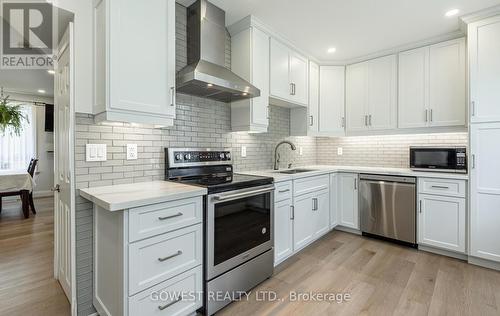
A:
(131, 151)
(301, 151)
(95, 152)
(340, 151)
(243, 151)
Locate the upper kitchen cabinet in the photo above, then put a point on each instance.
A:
(331, 100)
(304, 121)
(289, 81)
(134, 63)
(484, 67)
(250, 60)
(432, 86)
(371, 95)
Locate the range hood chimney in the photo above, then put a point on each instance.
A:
(205, 74)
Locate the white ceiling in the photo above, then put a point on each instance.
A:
(27, 81)
(355, 27)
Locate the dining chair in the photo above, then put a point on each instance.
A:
(26, 196)
(31, 171)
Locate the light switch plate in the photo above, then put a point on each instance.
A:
(243, 151)
(340, 151)
(131, 151)
(95, 152)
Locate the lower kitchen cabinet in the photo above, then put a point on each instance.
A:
(334, 193)
(348, 200)
(303, 225)
(283, 230)
(321, 213)
(441, 222)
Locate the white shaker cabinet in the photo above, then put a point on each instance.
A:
(314, 101)
(432, 86)
(303, 224)
(283, 230)
(485, 191)
(331, 100)
(134, 74)
(288, 76)
(348, 200)
(321, 213)
(250, 60)
(484, 70)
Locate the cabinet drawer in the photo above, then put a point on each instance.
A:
(283, 191)
(166, 298)
(312, 184)
(151, 220)
(157, 259)
(447, 187)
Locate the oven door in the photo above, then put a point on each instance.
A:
(239, 227)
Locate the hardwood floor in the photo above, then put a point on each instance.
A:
(27, 286)
(382, 279)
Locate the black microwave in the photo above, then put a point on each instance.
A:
(444, 159)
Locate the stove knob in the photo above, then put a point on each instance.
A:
(178, 157)
(228, 156)
(222, 156)
(187, 156)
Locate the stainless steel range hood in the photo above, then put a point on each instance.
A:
(205, 74)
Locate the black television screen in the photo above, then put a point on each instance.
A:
(49, 117)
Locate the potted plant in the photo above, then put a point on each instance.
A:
(11, 117)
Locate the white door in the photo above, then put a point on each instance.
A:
(334, 193)
(302, 222)
(260, 76)
(484, 49)
(348, 200)
(314, 86)
(382, 93)
(279, 68)
(447, 97)
(441, 222)
(485, 191)
(321, 214)
(356, 97)
(142, 84)
(413, 88)
(283, 231)
(332, 100)
(298, 77)
(64, 164)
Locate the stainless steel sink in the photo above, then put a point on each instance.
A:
(294, 171)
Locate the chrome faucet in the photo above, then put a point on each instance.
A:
(277, 156)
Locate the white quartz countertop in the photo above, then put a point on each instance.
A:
(124, 196)
(324, 169)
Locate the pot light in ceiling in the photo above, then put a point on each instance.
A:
(451, 13)
(41, 91)
(52, 72)
(331, 50)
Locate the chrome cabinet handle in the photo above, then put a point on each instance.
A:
(315, 204)
(473, 108)
(355, 184)
(178, 299)
(370, 120)
(426, 115)
(311, 118)
(366, 120)
(292, 212)
(172, 96)
(343, 121)
(284, 191)
(171, 216)
(439, 187)
(420, 206)
(291, 89)
(473, 161)
(431, 115)
(178, 253)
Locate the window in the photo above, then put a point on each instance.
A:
(17, 151)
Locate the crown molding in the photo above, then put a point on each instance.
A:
(481, 14)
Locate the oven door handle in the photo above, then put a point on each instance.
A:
(243, 194)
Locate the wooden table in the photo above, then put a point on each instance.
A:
(13, 181)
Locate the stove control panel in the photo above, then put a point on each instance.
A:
(179, 157)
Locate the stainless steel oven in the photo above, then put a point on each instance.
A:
(444, 159)
(239, 227)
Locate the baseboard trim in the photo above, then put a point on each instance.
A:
(442, 252)
(348, 230)
(484, 263)
(41, 194)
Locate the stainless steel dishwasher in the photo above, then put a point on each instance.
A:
(388, 207)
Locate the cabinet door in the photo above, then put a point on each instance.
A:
(279, 62)
(413, 88)
(331, 104)
(356, 95)
(381, 102)
(142, 68)
(442, 222)
(303, 224)
(283, 231)
(260, 76)
(485, 191)
(484, 49)
(298, 76)
(321, 213)
(314, 86)
(348, 200)
(447, 102)
(334, 193)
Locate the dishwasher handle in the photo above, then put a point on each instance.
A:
(399, 179)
